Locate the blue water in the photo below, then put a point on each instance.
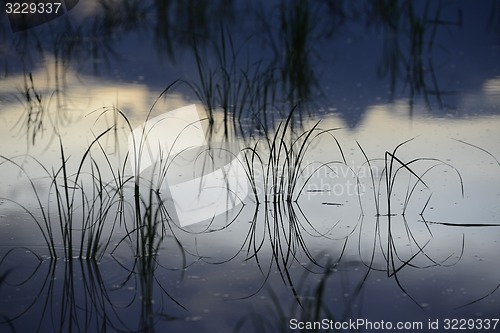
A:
(378, 75)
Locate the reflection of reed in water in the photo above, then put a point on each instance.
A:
(410, 39)
(330, 294)
(35, 115)
(277, 238)
(82, 295)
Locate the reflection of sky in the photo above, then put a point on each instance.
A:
(466, 61)
(465, 58)
(492, 87)
(85, 99)
(382, 127)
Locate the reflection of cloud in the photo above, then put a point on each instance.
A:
(74, 110)
(492, 86)
(86, 94)
(82, 93)
(485, 101)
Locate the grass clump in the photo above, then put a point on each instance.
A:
(83, 202)
(279, 161)
(393, 166)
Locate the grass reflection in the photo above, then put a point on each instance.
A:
(410, 39)
(77, 295)
(278, 238)
(328, 294)
(95, 197)
(91, 206)
(261, 85)
(35, 115)
(389, 177)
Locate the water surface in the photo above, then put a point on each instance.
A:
(341, 248)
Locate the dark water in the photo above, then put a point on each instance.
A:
(337, 227)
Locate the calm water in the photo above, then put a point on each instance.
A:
(371, 230)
